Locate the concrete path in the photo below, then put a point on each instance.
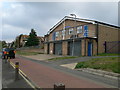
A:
(70, 66)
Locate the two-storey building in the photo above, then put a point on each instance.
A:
(76, 37)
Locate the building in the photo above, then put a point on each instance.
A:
(22, 39)
(79, 37)
(41, 41)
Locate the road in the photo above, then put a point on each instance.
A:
(45, 75)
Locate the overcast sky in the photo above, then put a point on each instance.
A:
(19, 17)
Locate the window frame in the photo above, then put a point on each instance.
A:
(57, 34)
(70, 30)
(80, 30)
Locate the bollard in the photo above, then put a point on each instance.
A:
(59, 86)
(16, 70)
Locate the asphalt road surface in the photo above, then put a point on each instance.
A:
(45, 75)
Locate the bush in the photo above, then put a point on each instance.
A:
(81, 65)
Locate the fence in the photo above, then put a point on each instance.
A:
(112, 47)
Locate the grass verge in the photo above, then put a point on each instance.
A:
(108, 54)
(62, 58)
(27, 53)
(108, 64)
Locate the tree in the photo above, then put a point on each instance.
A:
(19, 40)
(4, 44)
(32, 39)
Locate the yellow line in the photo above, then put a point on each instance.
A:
(12, 65)
(27, 81)
(24, 75)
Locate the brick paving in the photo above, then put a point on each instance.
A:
(45, 76)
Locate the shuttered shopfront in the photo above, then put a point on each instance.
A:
(77, 48)
(58, 48)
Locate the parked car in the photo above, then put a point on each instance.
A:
(8, 52)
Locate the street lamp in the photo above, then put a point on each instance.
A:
(73, 34)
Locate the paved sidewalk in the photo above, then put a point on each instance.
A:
(8, 77)
(42, 57)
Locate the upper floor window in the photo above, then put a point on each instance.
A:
(85, 34)
(70, 31)
(57, 34)
(53, 36)
(79, 29)
(63, 32)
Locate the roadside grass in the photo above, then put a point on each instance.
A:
(25, 53)
(62, 58)
(108, 64)
(109, 54)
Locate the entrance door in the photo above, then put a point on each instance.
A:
(89, 49)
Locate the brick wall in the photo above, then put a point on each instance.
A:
(51, 48)
(113, 47)
(45, 48)
(94, 47)
(106, 33)
(71, 23)
(83, 47)
(64, 48)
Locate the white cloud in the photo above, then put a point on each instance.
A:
(9, 33)
(61, 0)
(16, 5)
(20, 17)
(0, 20)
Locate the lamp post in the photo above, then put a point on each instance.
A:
(73, 34)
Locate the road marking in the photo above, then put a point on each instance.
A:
(26, 78)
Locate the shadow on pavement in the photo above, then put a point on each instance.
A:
(8, 77)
